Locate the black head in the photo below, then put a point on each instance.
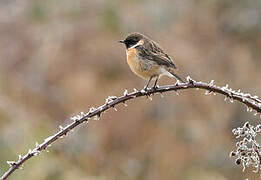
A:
(132, 39)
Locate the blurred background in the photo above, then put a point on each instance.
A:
(60, 57)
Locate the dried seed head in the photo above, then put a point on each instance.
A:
(232, 154)
(238, 161)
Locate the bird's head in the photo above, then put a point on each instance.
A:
(132, 39)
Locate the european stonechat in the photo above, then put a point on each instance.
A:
(147, 60)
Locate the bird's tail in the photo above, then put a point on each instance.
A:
(181, 79)
(178, 77)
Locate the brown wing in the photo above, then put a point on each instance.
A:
(153, 52)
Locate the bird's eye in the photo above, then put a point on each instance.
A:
(130, 42)
(136, 40)
(133, 41)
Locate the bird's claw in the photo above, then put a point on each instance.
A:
(155, 87)
(145, 88)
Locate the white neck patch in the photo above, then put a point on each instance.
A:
(141, 42)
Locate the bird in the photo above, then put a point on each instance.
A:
(147, 59)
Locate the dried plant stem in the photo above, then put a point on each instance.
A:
(252, 102)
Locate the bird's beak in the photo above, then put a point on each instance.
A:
(121, 41)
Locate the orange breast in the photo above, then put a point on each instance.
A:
(139, 66)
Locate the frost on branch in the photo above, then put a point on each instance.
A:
(247, 150)
(189, 79)
(110, 99)
(125, 93)
(11, 163)
(80, 116)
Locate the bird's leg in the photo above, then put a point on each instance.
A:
(155, 84)
(147, 85)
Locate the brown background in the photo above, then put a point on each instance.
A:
(60, 57)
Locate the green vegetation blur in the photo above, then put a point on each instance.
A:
(58, 58)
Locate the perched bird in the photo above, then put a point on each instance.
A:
(147, 60)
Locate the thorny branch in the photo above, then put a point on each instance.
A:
(252, 103)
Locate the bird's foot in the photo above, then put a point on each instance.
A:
(145, 88)
(155, 87)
